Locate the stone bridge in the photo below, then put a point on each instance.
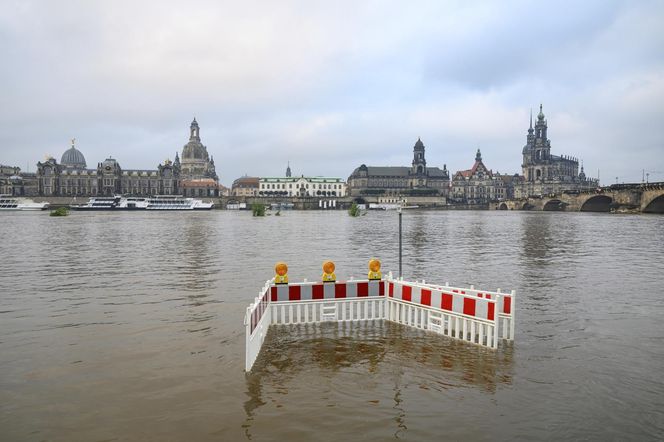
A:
(646, 198)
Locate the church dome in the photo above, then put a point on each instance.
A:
(194, 150)
(73, 158)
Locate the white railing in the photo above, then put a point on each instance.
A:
(256, 321)
(474, 316)
(506, 323)
(488, 302)
(337, 310)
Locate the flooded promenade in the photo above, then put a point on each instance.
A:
(128, 326)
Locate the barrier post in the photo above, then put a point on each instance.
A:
(247, 334)
(513, 311)
(496, 322)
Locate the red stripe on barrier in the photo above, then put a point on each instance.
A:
(317, 291)
(507, 305)
(446, 302)
(455, 291)
(273, 293)
(469, 306)
(425, 297)
(491, 312)
(406, 293)
(362, 289)
(391, 290)
(294, 293)
(340, 290)
(381, 288)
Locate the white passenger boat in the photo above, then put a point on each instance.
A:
(9, 202)
(157, 202)
(176, 202)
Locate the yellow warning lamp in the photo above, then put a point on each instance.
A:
(374, 270)
(328, 272)
(281, 270)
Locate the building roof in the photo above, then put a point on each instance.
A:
(199, 182)
(470, 172)
(397, 171)
(246, 181)
(73, 158)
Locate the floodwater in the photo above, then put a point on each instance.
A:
(129, 326)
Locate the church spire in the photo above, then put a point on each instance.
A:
(288, 171)
(478, 155)
(194, 134)
(531, 120)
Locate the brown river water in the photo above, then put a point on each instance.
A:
(129, 326)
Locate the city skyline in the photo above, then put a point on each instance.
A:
(327, 90)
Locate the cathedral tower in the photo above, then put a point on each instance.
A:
(537, 151)
(419, 162)
(196, 163)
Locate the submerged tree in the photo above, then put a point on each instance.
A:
(354, 210)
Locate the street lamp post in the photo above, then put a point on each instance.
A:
(399, 211)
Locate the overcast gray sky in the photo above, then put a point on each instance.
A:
(332, 85)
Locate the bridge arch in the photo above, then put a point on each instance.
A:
(554, 205)
(527, 206)
(597, 203)
(655, 206)
(502, 206)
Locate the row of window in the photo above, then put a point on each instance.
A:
(314, 186)
(301, 193)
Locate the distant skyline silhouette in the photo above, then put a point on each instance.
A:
(330, 87)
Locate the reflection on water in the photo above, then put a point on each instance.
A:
(128, 326)
(373, 356)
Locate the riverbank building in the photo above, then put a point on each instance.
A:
(480, 185)
(195, 175)
(397, 181)
(544, 173)
(71, 177)
(17, 183)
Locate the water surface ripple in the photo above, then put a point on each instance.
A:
(128, 326)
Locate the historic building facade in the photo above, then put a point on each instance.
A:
(417, 180)
(197, 170)
(302, 186)
(545, 173)
(71, 177)
(196, 162)
(480, 185)
(17, 183)
(475, 185)
(245, 186)
(195, 175)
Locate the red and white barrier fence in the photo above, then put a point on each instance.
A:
(256, 321)
(479, 317)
